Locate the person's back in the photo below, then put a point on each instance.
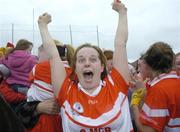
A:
(165, 91)
(20, 62)
(170, 87)
(40, 77)
(41, 89)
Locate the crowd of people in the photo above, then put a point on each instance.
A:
(88, 89)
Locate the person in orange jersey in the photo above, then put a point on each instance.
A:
(42, 90)
(160, 111)
(89, 99)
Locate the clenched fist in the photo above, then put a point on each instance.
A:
(119, 7)
(44, 19)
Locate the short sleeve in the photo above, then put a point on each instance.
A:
(64, 90)
(119, 81)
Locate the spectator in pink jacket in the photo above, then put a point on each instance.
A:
(8, 94)
(20, 62)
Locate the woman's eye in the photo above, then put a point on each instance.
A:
(93, 59)
(81, 60)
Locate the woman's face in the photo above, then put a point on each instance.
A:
(88, 68)
(177, 64)
(144, 69)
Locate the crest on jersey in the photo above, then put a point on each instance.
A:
(78, 107)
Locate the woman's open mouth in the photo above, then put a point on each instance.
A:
(88, 75)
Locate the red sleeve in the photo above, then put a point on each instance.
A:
(10, 95)
(65, 87)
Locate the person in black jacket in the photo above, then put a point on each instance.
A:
(8, 119)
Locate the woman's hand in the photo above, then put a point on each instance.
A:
(119, 7)
(44, 19)
(48, 107)
(136, 82)
(139, 90)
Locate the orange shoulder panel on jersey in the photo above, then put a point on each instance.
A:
(119, 80)
(64, 90)
(42, 72)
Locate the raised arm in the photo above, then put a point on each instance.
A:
(120, 60)
(58, 72)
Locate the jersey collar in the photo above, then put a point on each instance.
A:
(95, 92)
(172, 74)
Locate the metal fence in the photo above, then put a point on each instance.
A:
(69, 34)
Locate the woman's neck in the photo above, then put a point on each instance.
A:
(91, 91)
(155, 74)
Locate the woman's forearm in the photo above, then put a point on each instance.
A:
(120, 60)
(58, 72)
(122, 30)
(47, 40)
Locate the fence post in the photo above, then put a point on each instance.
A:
(70, 31)
(12, 31)
(33, 25)
(33, 30)
(97, 35)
